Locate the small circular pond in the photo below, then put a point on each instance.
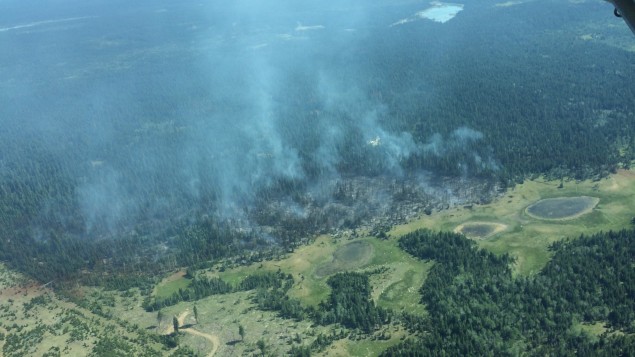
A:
(347, 257)
(480, 230)
(562, 208)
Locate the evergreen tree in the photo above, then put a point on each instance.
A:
(175, 323)
(241, 332)
(159, 318)
(261, 346)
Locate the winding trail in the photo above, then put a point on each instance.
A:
(211, 338)
(182, 316)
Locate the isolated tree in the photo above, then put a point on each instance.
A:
(241, 332)
(159, 318)
(175, 323)
(195, 313)
(261, 346)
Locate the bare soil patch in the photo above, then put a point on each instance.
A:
(215, 341)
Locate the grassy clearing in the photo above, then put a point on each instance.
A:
(396, 288)
(365, 347)
(43, 323)
(400, 290)
(166, 289)
(527, 238)
(594, 330)
(221, 315)
(346, 257)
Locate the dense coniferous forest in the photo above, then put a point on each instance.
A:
(475, 112)
(486, 117)
(158, 146)
(477, 308)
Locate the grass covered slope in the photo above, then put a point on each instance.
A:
(35, 321)
(311, 265)
(307, 304)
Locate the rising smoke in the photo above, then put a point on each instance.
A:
(169, 109)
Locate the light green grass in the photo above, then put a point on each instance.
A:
(346, 257)
(593, 330)
(397, 287)
(366, 347)
(402, 294)
(67, 326)
(527, 238)
(221, 315)
(166, 289)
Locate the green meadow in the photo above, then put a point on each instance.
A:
(503, 226)
(527, 237)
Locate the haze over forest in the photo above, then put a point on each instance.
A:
(144, 119)
(165, 110)
(231, 145)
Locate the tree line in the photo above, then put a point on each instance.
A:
(476, 307)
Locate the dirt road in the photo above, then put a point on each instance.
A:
(211, 338)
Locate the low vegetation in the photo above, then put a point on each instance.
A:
(350, 294)
(528, 239)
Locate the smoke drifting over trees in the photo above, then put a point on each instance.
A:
(130, 116)
(158, 108)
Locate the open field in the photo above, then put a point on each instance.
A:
(346, 257)
(395, 281)
(528, 238)
(364, 347)
(172, 284)
(396, 286)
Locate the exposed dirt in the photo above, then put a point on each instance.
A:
(176, 276)
(211, 338)
(181, 318)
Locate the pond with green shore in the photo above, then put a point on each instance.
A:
(348, 257)
(562, 208)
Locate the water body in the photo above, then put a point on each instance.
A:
(438, 12)
(480, 230)
(348, 257)
(562, 208)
